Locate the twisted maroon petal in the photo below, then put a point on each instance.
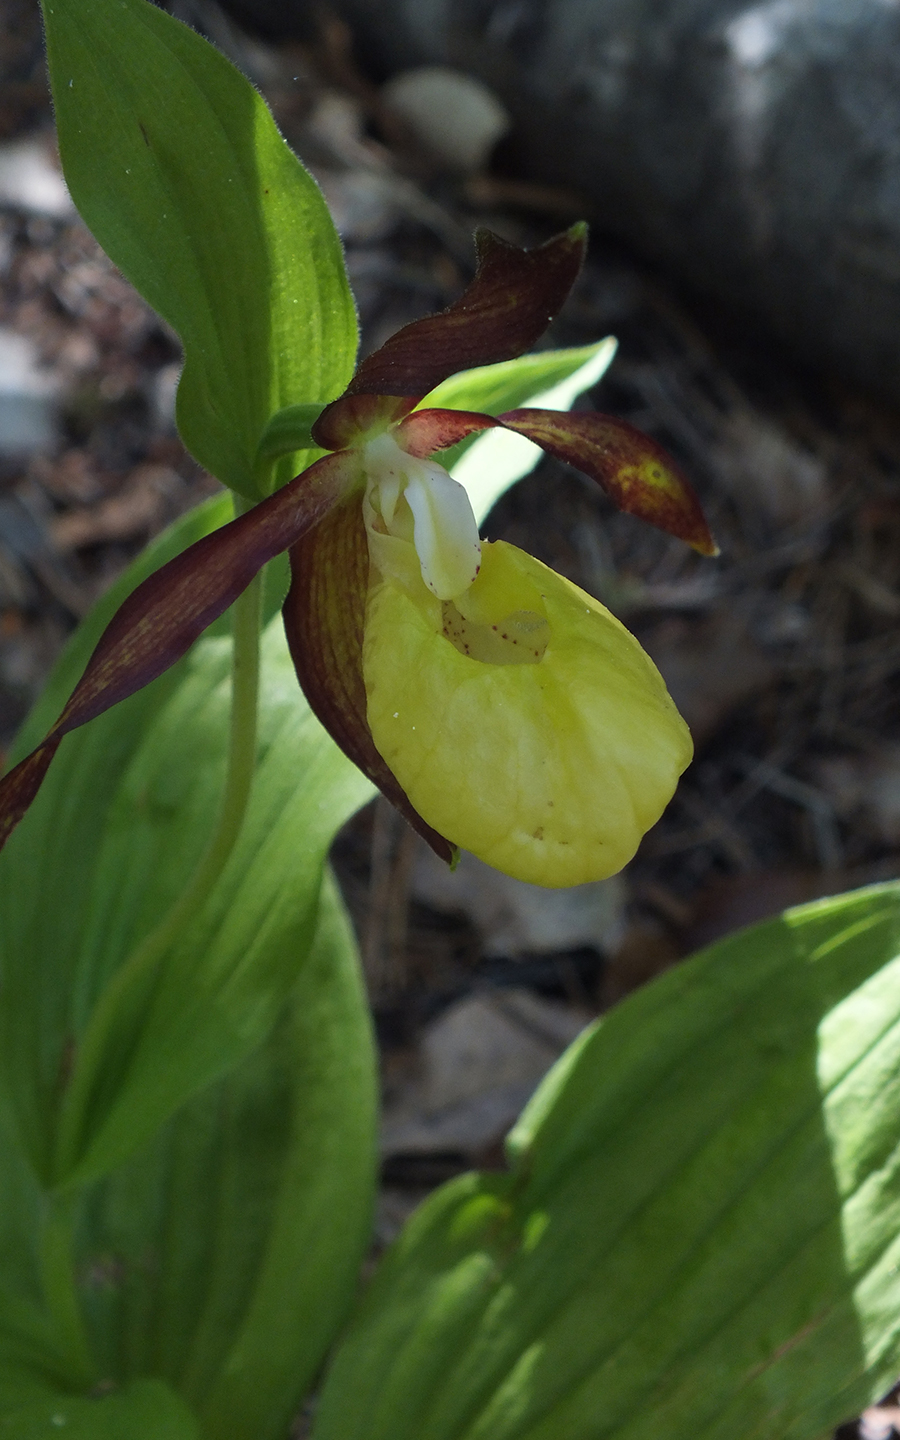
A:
(163, 617)
(324, 619)
(507, 307)
(636, 473)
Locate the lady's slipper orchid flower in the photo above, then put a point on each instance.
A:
(497, 705)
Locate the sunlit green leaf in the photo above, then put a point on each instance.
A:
(698, 1237)
(176, 165)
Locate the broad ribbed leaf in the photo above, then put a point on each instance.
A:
(223, 1258)
(223, 1253)
(698, 1236)
(47, 873)
(176, 165)
(226, 978)
(32, 1358)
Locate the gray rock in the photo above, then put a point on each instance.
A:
(751, 148)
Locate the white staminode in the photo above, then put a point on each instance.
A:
(445, 533)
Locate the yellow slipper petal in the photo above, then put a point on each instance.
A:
(523, 721)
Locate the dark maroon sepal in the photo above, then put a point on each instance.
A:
(163, 617)
(507, 307)
(636, 473)
(354, 418)
(324, 619)
(425, 431)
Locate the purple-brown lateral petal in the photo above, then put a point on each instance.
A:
(425, 431)
(508, 306)
(324, 618)
(636, 473)
(19, 787)
(163, 617)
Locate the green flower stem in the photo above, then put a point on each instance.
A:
(137, 972)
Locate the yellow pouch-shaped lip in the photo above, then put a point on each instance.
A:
(550, 770)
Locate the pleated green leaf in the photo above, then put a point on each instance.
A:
(176, 165)
(699, 1235)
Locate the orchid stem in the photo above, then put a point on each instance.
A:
(143, 961)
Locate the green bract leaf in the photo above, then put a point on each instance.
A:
(146, 1409)
(487, 465)
(699, 1234)
(176, 165)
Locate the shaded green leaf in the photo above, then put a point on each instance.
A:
(698, 1234)
(223, 1258)
(147, 1409)
(176, 165)
(222, 1252)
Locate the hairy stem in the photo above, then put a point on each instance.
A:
(137, 972)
